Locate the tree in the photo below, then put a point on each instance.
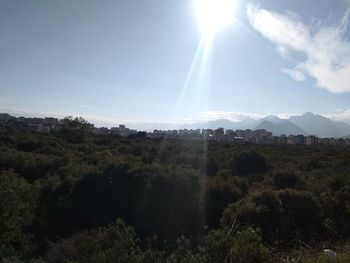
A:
(16, 213)
(116, 242)
(250, 163)
(227, 245)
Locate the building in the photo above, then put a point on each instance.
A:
(311, 140)
(299, 139)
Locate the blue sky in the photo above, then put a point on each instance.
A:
(129, 60)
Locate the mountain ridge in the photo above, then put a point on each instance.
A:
(277, 129)
(321, 126)
(305, 124)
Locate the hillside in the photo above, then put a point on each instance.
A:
(306, 124)
(281, 127)
(320, 126)
(63, 192)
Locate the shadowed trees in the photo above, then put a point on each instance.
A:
(247, 163)
(205, 201)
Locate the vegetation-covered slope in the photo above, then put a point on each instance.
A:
(71, 196)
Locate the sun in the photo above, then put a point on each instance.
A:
(214, 15)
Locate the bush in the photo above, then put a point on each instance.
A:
(219, 193)
(285, 215)
(16, 213)
(283, 180)
(248, 247)
(341, 258)
(226, 245)
(116, 241)
(250, 163)
(303, 213)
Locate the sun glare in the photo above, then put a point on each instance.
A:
(213, 15)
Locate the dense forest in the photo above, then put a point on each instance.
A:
(71, 196)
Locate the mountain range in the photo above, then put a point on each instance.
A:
(306, 124)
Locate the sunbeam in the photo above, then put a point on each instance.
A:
(213, 15)
(194, 95)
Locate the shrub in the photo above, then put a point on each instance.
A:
(115, 242)
(226, 245)
(283, 180)
(250, 163)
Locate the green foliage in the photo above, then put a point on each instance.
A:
(183, 253)
(78, 122)
(116, 241)
(283, 180)
(70, 186)
(219, 193)
(75, 130)
(283, 216)
(248, 247)
(226, 245)
(250, 163)
(340, 258)
(16, 212)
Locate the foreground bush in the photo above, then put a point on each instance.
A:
(116, 241)
(119, 243)
(227, 245)
(340, 258)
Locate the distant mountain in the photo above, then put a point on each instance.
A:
(320, 126)
(306, 124)
(279, 126)
(342, 127)
(223, 123)
(246, 123)
(273, 119)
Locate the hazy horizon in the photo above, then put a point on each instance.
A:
(150, 126)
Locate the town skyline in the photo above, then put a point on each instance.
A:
(307, 124)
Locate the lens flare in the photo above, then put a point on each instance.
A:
(213, 15)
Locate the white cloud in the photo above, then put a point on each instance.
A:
(294, 74)
(287, 115)
(230, 115)
(325, 49)
(339, 115)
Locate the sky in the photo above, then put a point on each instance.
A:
(136, 61)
